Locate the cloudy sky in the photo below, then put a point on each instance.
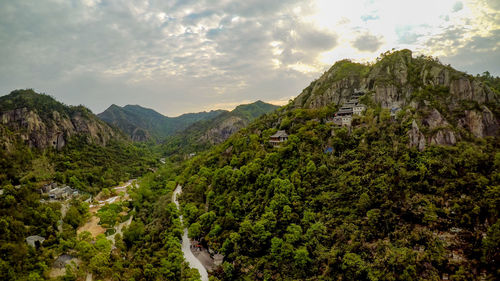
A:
(193, 55)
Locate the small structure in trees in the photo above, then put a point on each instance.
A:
(357, 94)
(358, 109)
(278, 138)
(394, 111)
(62, 193)
(343, 117)
(218, 259)
(35, 240)
(48, 187)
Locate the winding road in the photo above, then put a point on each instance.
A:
(186, 243)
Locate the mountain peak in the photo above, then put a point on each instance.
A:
(450, 98)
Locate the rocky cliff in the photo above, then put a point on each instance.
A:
(219, 129)
(203, 134)
(449, 104)
(42, 122)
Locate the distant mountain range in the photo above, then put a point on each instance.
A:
(143, 124)
(203, 134)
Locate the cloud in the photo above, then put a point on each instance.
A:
(470, 44)
(473, 55)
(163, 54)
(368, 42)
(493, 4)
(186, 55)
(407, 34)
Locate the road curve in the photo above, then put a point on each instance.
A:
(186, 249)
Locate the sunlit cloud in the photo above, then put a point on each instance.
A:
(179, 56)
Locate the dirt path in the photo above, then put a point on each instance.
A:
(119, 229)
(92, 224)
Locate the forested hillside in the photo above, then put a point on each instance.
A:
(204, 134)
(143, 124)
(407, 190)
(45, 142)
(407, 196)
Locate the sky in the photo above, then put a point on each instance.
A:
(189, 56)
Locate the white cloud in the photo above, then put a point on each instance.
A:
(178, 56)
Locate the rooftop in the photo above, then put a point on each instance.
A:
(32, 239)
(280, 134)
(345, 110)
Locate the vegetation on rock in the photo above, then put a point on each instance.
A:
(144, 124)
(376, 207)
(204, 134)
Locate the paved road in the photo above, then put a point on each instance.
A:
(119, 229)
(186, 243)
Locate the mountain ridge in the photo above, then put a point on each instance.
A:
(203, 134)
(398, 80)
(143, 124)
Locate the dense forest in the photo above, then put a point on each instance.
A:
(86, 166)
(352, 203)
(149, 248)
(373, 209)
(83, 163)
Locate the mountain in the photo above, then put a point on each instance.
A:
(206, 133)
(143, 124)
(46, 144)
(397, 80)
(43, 140)
(42, 122)
(407, 191)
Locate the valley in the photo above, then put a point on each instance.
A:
(120, 194)
(379, 171)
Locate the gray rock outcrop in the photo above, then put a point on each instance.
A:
(56, 130)
(396, 81)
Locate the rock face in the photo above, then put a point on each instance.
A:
(417, 139)
(204, 134)
(221, 131)
(480, 123)
(400, 80)
(42, 128)
(440, 131)
(221, 128)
